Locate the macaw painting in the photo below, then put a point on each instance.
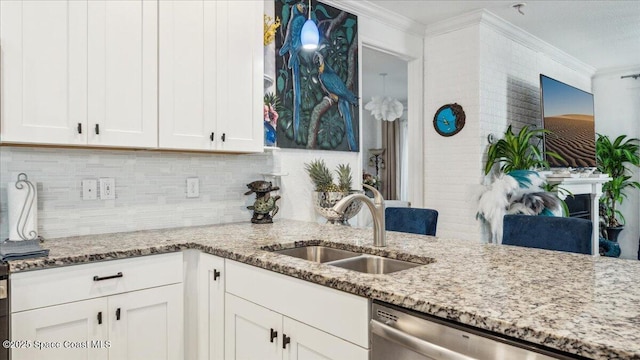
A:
(318, 88)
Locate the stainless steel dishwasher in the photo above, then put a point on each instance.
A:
(401, 334)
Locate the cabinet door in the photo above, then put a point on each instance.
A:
(147, 324)
(44, 71)
(80, 328)
(123, 70)
(248, 330)
(239, 61)
(312, 344)
(210, 307)
(187, 67)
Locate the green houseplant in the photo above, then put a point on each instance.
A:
(613, 158)
(518, 152)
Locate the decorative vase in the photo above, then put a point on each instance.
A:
(324, 201)
(613, 232)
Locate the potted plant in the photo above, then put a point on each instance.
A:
(327, 193)
(517, 152)
(613, 158)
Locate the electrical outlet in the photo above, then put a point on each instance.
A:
(89, 189)
(107, 189)
(193, 187)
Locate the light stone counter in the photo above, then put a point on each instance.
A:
(580, 304)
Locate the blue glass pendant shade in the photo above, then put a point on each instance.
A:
(309, 35)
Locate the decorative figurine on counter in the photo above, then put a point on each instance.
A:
(264, 208)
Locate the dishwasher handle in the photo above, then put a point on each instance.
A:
(416, 344)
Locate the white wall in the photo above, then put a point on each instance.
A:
(492, 69)
(453, 164)
(617, 112)
(150, 188)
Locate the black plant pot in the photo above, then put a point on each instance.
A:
(613, 232)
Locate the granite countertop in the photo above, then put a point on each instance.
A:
(580, 304)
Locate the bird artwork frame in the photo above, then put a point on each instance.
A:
(318, 88)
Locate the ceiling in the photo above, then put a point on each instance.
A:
(603, 34)
(395, 82)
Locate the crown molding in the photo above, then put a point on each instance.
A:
(511, 32)
(377, 12)
(621, 70)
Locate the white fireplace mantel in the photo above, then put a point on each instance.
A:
(585, 185)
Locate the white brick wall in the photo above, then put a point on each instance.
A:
(453, 164)
(150, 188)
(496, 80)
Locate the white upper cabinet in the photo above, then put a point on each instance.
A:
(79, 72)
(187, 94)
(240, 63)
(174, 74)
(123, 72)
(43, 88)
(211, 69)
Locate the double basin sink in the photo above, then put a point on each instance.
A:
(365, 263)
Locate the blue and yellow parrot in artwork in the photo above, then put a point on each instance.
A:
(338, 92)
(292, 44)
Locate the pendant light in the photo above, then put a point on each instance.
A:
(384, 107)
(309, 34)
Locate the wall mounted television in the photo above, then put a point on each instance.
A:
(567, 112)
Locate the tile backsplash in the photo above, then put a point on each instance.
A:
(150, 188)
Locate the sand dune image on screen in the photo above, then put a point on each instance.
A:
(573, 138)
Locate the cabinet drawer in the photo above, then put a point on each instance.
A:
(39, 288)
(335, 312)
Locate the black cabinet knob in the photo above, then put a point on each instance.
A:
(211, 136)
(216, 274)
(97, 129)
(224, 136)
(79, 128)
(100, 318)
(118, 314)
(274, 334)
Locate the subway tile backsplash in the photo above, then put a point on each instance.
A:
(150, 188)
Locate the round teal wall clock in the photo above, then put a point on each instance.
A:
(449, 119)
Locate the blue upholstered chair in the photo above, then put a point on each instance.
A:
(411, 220)
(548, 232)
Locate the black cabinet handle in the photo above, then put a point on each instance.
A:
(211, 136)
(216, 274)
(274, 334)
(97, 129)
(79, 128)
(100, 318)
(224, 135)
(98, 278)
(285, 340)
(118, 314)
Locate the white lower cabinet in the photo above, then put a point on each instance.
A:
(82, 322)
(145, 324)
(210, 308)
(150, 307)
(122, 309)
(255, 332)
(252, 331)
(274, 316)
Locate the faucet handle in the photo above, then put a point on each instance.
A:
(377, 196)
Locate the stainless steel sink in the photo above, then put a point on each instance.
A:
(374, 264)
(365, 263)
(321, 254)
